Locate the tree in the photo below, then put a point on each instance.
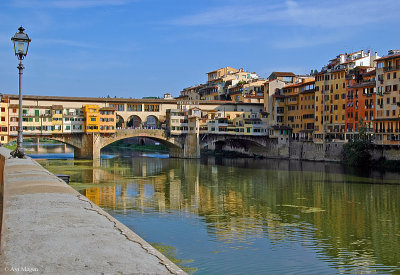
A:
(356, 152)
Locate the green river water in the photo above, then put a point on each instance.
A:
(248, 216)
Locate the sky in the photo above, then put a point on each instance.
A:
(140, 48)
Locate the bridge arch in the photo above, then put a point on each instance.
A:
(239, 144)
(156, 135)
(120, 122)
(134, 121)
(152, 122)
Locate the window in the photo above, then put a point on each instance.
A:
(388, 76)
(93, 119)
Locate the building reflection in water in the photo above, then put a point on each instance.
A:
(351, 220)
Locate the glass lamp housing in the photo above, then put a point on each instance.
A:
(21, 43)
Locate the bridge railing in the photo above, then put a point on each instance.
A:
(142, 132)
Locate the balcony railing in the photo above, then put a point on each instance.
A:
(391, 68)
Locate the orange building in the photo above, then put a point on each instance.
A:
(360, 100)
(107, 120)
(299, 108)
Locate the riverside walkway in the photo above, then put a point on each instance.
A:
(49, 228)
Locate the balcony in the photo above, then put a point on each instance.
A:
(391, 68)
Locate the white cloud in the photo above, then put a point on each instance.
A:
(309, 13)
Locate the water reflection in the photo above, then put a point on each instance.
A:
(252, 216)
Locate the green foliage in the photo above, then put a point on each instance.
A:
(10, 146)
(356, 152)
(170, 253)
(241, 82)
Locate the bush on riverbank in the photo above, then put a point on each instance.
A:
(10, 146)
(356, 152)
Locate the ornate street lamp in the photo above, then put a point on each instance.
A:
(21, 43)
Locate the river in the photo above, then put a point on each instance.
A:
(246, 216)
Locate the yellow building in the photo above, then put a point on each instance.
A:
(107, 120)
(307, 109)
(387, 125)
(91, 118)
(3, 121)
(330, 104)
(57, 119)
(32, 120)
(330, 94)
(214, 75)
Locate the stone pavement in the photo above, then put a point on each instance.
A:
(49, 228)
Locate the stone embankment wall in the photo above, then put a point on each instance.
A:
(296, 150)
(311, 151)
(49, 228)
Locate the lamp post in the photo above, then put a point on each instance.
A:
(21, 43)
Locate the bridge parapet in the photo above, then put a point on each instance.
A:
(141, 132)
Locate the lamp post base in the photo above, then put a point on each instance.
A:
(18, 153)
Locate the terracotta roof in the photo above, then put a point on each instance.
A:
(107, 109)
(11, 106)
(363, 84)
(118, 100)
(300, 84)
(388, 57)
(283, 73)
(373, 72)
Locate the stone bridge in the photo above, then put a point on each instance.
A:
(251, 145)
(88, 145)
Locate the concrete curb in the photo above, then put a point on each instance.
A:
(49, 228)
